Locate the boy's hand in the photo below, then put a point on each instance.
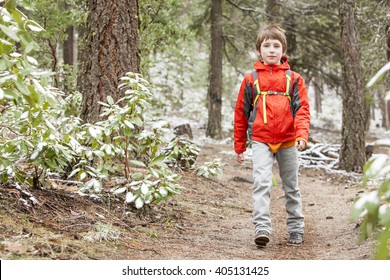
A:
(301, 145)
(240, 157)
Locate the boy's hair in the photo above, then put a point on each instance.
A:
(274, 32)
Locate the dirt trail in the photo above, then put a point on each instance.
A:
(211, 219)
(218, 220)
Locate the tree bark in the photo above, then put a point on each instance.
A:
(388, 115)
(318, 89)
(69, 54)
(290, 25)
(352, 152)
(214, 128)
(272, 11)
(388, 42)
(111, 51)
(387, 103)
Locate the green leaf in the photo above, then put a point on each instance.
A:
(379, 75)
(10, 147)
(110, 100)
(163, 192)
(108, 149)
(10, 5)
(93, 132)
(34, 155)
(120, 190)
(29, 47)
(50, 125)
(139, 203)
(22, 87)
(129, 124)
(137, 176)
(9, 32)
(144, 189)
(383, 248)
(74, 172)
(82, 175)
(5, 42)
(18, 17)
(158, 160)
(137, 163)
(130, 197)
(138, 121)
(128, 131)
(155, 172)
(100, 154)
(11, 94)
(35, 28)
(32, 61)
(52, 164)
(38, 119)
(3, 177)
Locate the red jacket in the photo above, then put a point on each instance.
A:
(285, 120)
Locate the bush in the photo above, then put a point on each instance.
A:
(31, 139)
(209, 169)
(374, 207)
(41, 133)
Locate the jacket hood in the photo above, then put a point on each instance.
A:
(259, 65)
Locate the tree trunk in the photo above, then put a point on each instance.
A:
(272, 11)
(352, 152)
(387, 103)
(388, 115)
(69, 54)
(388, 42)
(82, 56)
(318, 95)
(111, 51)
(290, 25)
(214, 128)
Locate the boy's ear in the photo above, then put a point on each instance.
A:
(258, 52)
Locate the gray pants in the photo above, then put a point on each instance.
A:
(263, 160)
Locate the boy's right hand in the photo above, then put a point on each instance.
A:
(240, 157)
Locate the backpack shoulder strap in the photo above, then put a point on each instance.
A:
(256, 87)
(288, 82)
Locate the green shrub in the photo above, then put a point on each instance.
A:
(374, 207)
(41, 134)
(209, 169)
(181, 153)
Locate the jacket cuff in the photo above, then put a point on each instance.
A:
(301, 138)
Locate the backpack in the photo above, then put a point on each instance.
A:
(257, 92)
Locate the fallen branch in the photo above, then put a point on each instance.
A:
(381, 143)
(317, 158)
(66, 181)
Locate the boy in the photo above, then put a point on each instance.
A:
(273, 110)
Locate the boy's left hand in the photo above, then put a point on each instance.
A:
(301, 145)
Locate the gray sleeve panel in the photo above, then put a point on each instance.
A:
(295, 100)
(248, 95)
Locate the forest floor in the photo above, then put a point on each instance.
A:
(210, 219)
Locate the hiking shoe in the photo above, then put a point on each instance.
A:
(296, 239)
(262, 237)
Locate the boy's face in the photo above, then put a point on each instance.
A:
(271, 51)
